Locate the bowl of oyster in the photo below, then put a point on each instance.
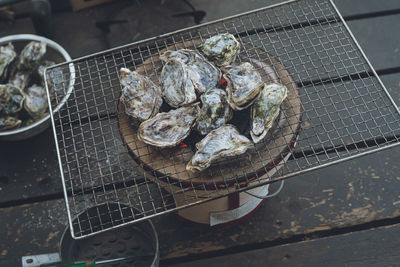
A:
(24, 101)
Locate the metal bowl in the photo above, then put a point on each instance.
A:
(54, 53)
(138, 243)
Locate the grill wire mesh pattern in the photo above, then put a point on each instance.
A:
(338, 110)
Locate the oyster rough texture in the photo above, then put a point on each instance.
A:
(55, 81)
(266, 109)
(31, 55)
(11, 99)
(226, 141)
(20, 79)
(221, 49)
(42, 67)
(244, 84)
(7, 55)
(35, 101)
(215, 111)
(191, 72)
(168, 129)
(178, 89)
(140, 96)
(8, 123)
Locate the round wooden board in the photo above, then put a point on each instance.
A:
(169, 165)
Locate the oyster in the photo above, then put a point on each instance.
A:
(11, 99)
(31, 55)
(221, 49)
(8, 123)
(35, 101)
(215, 111)
(7, 55)
(244, 84)
(140, 96)
(266, 109)
(226, 141)
(55, 81)
(168, 129)
(178, 89)
(191, 71)
(42, 67)
(20, 79)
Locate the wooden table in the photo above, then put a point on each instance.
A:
(347, 214)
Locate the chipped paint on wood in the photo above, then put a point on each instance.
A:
(181, 250)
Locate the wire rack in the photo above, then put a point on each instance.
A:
(337, 109)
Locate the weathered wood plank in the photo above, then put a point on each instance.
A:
(347, 8)
(29, 168)
(345, 195)
(375, 247)
(350, 8)
(370, 34)
(348, 194)
(40, 176)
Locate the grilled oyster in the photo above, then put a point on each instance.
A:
(20, 79)
(221, 49)
(266, 109)
(8, 123)
(35, 101)
(244, 84)
(201, 73)
(7, 55)
(11, 99)
(215, 111)
(168, 129)
(31, 55)
(226, 141)
(140, 96)
(178, 89)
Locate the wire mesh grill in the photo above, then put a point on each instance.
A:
(337, 109)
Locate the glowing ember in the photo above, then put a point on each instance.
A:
(182, 144)
(223, 83)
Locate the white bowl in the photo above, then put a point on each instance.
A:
(54, 53)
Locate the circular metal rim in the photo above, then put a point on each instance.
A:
(67, 57)
(69, 230)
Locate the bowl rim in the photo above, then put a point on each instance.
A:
(58, 48)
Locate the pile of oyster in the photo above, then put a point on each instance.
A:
(202, 88)
(23, 97)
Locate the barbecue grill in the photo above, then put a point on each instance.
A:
(337, 109)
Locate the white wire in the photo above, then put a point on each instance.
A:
(269, 195)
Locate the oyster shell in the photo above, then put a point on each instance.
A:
(55, 81)
(244, 84)
(42, 67)
(140, 96)
(7, 55)
(215, 111)
(178, 89)
(35, 101)
(31, 55)
(168, 129)
(11, 99)
(8, 123)
(20, 79)
(200, 74)
(226, 141)
(266, 109)
(221, 49)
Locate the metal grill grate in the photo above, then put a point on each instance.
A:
(337, 110)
